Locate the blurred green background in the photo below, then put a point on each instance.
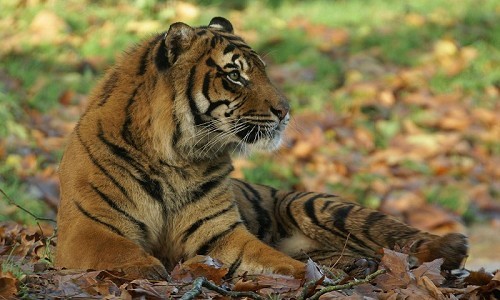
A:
(395, 103)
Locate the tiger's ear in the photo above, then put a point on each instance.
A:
(221, 24)
(178, 39)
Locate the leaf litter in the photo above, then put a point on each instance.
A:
(450, 142)
(20, 253)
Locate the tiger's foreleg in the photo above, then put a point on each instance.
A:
(220, 232)
(344, 233)
(96, 247)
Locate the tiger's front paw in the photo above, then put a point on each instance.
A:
(452, 247)
(151, 272)
(295, 269)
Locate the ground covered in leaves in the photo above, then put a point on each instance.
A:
(395, 105)
(26, 272)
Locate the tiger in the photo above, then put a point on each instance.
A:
(146, 181)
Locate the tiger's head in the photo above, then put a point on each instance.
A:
(224, 100)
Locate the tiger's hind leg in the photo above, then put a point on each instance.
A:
(353, 232)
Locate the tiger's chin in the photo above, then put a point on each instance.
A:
(265, 145)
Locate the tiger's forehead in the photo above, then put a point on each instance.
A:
(230, 45)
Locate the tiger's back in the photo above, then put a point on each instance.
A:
(145, 177)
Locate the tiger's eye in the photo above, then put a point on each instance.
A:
(234, 76)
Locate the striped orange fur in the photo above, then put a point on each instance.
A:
(145, 176)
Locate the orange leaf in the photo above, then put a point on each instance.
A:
(8, 286)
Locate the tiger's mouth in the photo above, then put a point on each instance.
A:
(250, 133)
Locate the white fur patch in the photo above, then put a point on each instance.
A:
(296, 244)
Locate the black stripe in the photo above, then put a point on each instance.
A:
(282, 232)
(126, 133)
(230, 65)
(114, 206)
(289, 209)
(214, 105)
(154, 189)
(161, 58)
(116, 149)
(339, 222)
(144, 61)
(101, 168)
(263, 218)
(95, 219)
(233, 267)
(211, 170)
(152, 186)
(227, 85)
(192, 229)
(176, 136)
(206, 86)
(326, 205)
(372, 218)
(108, 88)
(211, 63)
(213, 41)
(341, 215)
(231, 37)
(229, 48)
(189, 93)
(235, 57)
(207, 246)
(205, 188)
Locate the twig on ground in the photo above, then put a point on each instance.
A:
(343, 249)
(306, 289)
(200, 282)
(195, 290)
(348, 285)
(12, 202)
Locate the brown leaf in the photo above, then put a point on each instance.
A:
(205, 266)
(143, 288)
(412, 292)
(248, 285)
(431, 270)
(313, 272)
(181, 274)
(277, 283)
(431, 288)
(398, 274)
(66, 97)
(8, 286)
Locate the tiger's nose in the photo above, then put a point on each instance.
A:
(281, 110)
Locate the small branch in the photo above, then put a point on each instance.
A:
(454, 291)
(306, 290)
(200, 282)
(348, 285)
(195, 290)
(343, 250)
(11, 202)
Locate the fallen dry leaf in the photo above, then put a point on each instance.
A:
(205, 266)
(398, 273)
(431, 270)
(8, 285)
